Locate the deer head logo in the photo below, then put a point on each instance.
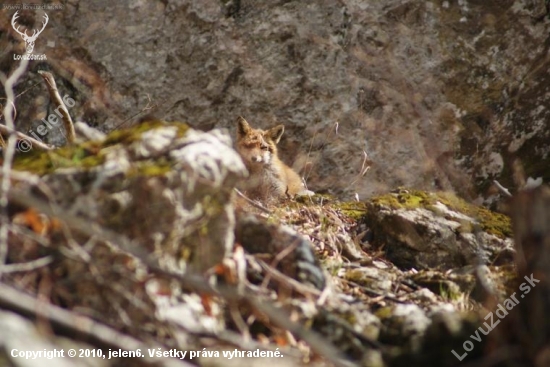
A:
(29, 40)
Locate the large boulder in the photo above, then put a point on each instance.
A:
(440, 95)
(437, 230)
(165, 186)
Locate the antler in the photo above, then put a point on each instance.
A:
(34, 32)
(43, 25)
(15, 16)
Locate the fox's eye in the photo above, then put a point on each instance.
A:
(265, 147)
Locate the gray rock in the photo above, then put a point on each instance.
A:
(441, 95)
(427, 231)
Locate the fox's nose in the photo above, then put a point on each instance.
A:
(257, 158)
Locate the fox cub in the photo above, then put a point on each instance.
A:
(269, 177)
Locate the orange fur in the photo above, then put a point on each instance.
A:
(269, 177)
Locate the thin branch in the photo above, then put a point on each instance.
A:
(253, 203)
(280, 256)
(288, 281)
(364, 169)
(315, 341)
(26, 266)
(9, 152)
(56, 98)
(14, 108)
(503, 189)
(323, 145)
(30, 234)
(148, 107)
(31, 142)
(76, 326)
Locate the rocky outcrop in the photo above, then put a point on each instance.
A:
(438, 231)
(143, 221)
(292, 252)
(417, 262)
(440, 95)
(165, 186)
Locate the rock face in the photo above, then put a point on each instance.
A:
(443, 95)
(426, 231)
(165, 186)
(300, 263)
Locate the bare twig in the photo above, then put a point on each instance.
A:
(503, 189)
(9, 152)
(316, 342)
(253, 203)
(29, 234)
(26, 266)
(288, 281)
(364, 169)
(56, 98)
(31, 142)
(148, 107)
(323, 145)
(372, 292)
(20, 136)
(77, 326)
(280, 256)
(14, 108)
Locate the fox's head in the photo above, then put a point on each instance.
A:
(257, 147)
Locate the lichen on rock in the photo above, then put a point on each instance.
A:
(437, 230)
(162, 184)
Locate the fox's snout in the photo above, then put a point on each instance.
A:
(262, 157)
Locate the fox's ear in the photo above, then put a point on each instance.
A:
(243, 127)
(276, 132)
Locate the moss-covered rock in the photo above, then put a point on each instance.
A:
(423, 230)
(162, 184)
(492, 222)
(91, 154)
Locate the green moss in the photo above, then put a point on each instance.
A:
(495, 223)
(355, 275)
(213, 205)
(150, 168)
(127, 136)
(42, 163)
(449, 291)
(331, 264)
(508, 276)
(89, 154)
(491, 222)
(319, 199)
(350, 317)
(445, 285)
(384, 312)
(404, 199)
(354, 210)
